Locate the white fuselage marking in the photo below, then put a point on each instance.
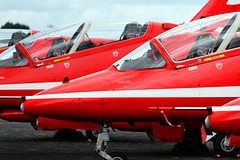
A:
(151, 93)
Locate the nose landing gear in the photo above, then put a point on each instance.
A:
(101, 145)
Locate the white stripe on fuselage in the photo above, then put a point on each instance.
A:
(233, 2)
(29, 86)
(155, 93)
(226, 108)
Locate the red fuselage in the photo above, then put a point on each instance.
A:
(137, 95)
(39, 75)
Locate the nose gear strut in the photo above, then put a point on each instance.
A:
(102, 140)
(101, 144)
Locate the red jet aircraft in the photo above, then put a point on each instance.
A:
(67, 52)
(191, 66)
(13, 114)
(45, 59)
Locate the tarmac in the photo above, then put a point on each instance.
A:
(21, 141)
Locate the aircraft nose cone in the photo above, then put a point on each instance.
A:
(30, 107)
(207, 122)
(22, 107)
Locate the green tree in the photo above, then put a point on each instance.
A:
(10, 25)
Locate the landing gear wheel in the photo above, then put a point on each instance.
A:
(192, 141)
(118, 156)
(92, 134)
(222, 149)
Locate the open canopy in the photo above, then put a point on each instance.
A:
(195, 39)
(9, 37)
(203, 37)
(71, 38)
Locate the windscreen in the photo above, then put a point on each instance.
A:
(12, 57)
(145, 57)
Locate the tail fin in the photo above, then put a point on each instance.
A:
(215, 7)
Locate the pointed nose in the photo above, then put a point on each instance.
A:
(30, 108)
(22, 107)
(207, 122)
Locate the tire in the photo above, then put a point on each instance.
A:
(92, 134)
(118, 156)
(220, 148)
(192, 141)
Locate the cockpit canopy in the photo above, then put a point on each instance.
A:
(198, 38)
(9, 37)
(72, 38)
(203, 37)
(80, 36)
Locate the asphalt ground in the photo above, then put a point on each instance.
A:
(21, 141)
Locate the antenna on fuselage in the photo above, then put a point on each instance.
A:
(66, 80)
